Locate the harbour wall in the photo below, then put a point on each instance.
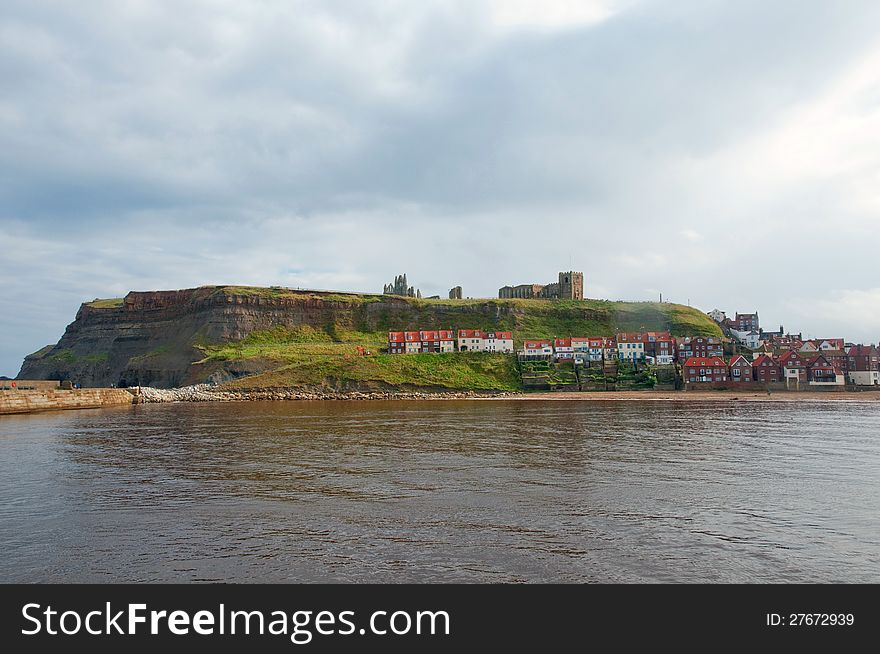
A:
(31, 401)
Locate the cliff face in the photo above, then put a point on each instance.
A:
(151, 338)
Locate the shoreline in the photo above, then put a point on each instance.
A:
(205, 393)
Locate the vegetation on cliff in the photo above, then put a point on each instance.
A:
(309, 357)
(287, 337)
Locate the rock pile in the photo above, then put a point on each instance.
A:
(210, 393)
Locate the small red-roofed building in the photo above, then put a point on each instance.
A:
(413, 342)
(396, 343)
(766, 369)
(538, 348)
(562, 349)
(447, 340)
(821, 372)
(740, 369)
(704, 369)
(470, 340)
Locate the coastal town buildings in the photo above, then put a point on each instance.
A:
(766, 369)
(563, 350)
(740, 369)
(799, 364)
(498, 341)
(659, 347)
(717, 315)
(470, 340)
(630, 347)
(699, 346)
(863, 365)
(746, 322)
(413, 342)
(538, 348)
(704, 369)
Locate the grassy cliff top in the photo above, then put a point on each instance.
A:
(378, 313)
(108, 303)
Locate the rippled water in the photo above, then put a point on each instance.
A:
(482, 491)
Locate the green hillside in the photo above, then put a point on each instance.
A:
(254, 336)
(305, 355)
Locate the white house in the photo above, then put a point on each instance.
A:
(563, 350)
(498, 342)
(538, 348)
(470, 340)
(630, 347)
(751, 339)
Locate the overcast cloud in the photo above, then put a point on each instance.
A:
(722, 153)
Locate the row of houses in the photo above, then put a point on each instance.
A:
(652, 347)
(860, 366)
(783, 358)
(448, 340)
(792, 370)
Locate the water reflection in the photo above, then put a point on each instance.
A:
(443, 491)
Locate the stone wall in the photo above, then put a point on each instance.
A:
(52, 400)
(31, 384)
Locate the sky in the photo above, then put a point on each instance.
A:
(724, 154)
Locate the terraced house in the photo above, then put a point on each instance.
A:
(863, 365)
(470, 340)
(704, 369)
(740, 369)
(766, 369)
(630, 347)
(563, 349)
(498, 342)
(699, 346)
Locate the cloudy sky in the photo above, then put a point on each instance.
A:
(722, 153)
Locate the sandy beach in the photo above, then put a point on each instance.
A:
(700, 396)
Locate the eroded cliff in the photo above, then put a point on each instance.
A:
(156, 338)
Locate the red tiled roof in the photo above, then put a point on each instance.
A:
(786, 356)
(736, 359)
(562, 342)
(705, 362)
(504, 336)
(395, 337)
(536, 345)
(761, 359)
(470, 333)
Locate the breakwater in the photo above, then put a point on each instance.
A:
(31, 401)
(211, 393)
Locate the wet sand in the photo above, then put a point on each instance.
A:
(701, 396)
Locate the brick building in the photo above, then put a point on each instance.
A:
(740, 369)
(704, 369)
(699, 346)
(766, 369)
(863, 365)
